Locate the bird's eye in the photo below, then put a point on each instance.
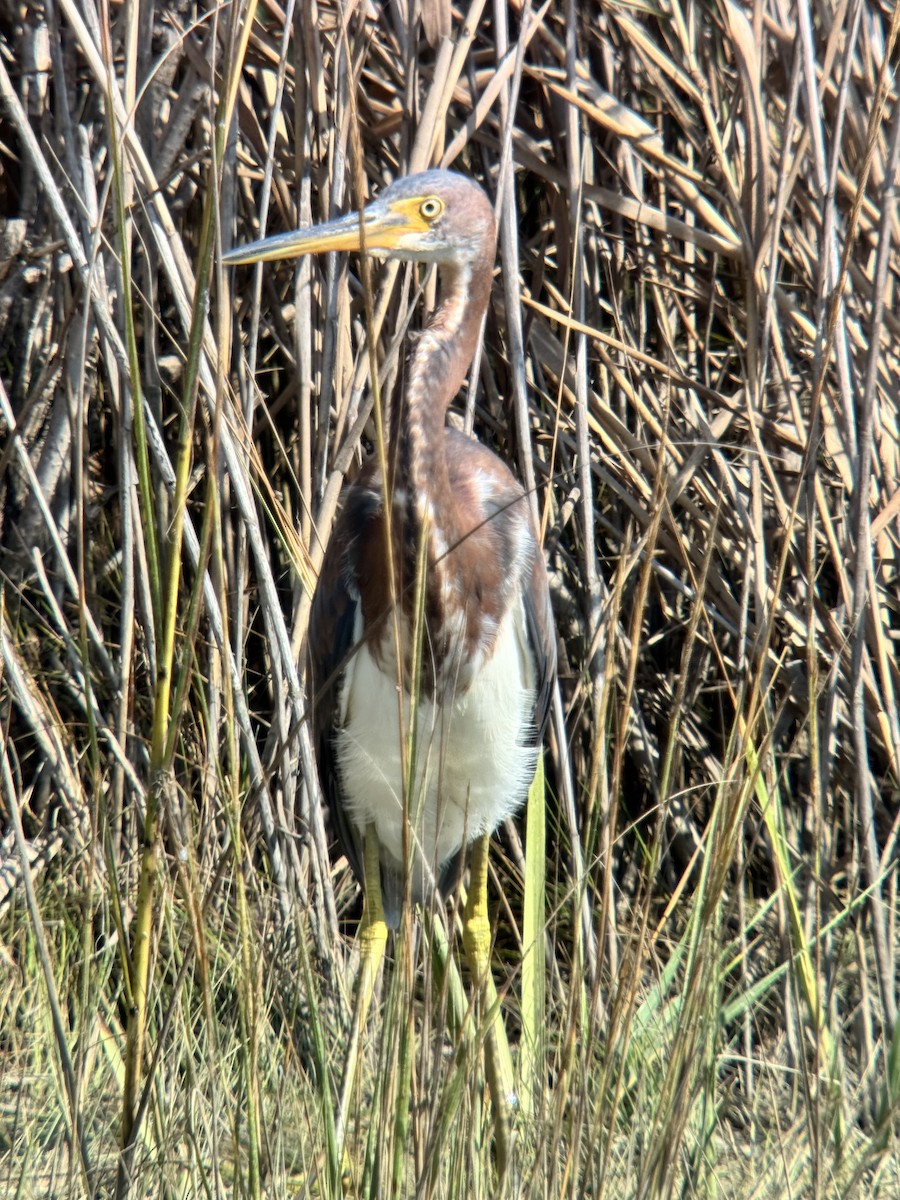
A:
(431, 208)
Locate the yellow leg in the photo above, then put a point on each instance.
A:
(372, 941)
(477, 945)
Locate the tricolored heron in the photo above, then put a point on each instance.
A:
(467, 612)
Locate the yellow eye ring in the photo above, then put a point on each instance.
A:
(431, 208)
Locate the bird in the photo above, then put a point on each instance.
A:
(431, 646)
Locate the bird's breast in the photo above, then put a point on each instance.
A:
(460, 578)
(458, 763)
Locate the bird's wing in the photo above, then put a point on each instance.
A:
(495, 500)
(542, 638)
(333, 625)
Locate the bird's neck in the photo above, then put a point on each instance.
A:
(442, 356)
(428, 515)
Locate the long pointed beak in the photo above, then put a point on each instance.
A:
(381, 231)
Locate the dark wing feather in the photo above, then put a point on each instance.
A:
(542, 638)
(331, 643)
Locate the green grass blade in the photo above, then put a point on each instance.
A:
(531, 1050)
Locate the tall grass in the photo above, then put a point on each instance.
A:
(691, 361)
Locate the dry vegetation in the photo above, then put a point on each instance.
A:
(692, 361)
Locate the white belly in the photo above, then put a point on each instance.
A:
(472, 768)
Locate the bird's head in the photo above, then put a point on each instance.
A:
(436, 216)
